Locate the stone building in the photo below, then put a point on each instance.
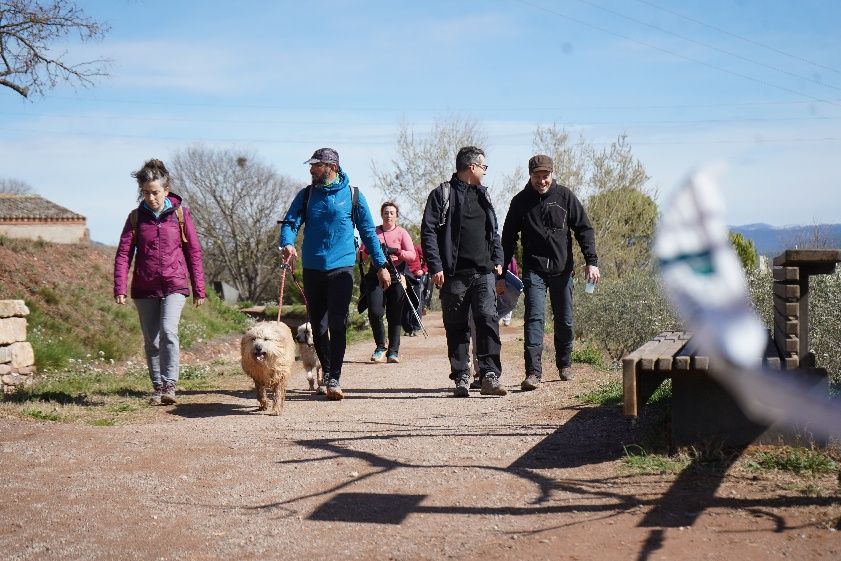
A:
(33, 217)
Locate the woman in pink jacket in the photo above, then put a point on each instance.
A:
(160, 237)
(399, 249)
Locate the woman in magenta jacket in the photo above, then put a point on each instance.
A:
(161, 239)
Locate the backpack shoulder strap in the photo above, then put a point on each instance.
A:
(354, 203)
(132, 218)
(305, 203)
(446, 206)
(179, 214)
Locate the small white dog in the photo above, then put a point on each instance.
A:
(306, 348)
(267, 354)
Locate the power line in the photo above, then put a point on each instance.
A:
(381, 109)
(670, 52)
(707, 45)
(743, 38)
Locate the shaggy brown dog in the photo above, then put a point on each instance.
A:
(267, 354)
(312, 366)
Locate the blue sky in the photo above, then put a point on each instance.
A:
(754, 84)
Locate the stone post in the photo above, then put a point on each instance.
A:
(17, 359)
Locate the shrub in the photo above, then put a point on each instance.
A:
(623, 313)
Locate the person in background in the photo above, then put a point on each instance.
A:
(160, 237)
(417, 282)
(506, 319)
(328, 255)
(462, 249)
(398, 247)
(547, 215)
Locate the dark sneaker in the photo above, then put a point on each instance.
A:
(476, 384)
(334, 391)
(392, 358)
(168, 395)
(532, 382)
(155, 398)
(462, 387)
(378, 356)
(567, 374)
(490, 385)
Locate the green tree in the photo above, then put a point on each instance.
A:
(624, 220)
(745, 249)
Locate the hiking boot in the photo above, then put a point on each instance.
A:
(334, 391)
(462, 386)
(567, 374)
(476, 384)
(392, 358)
(168, 395)
(155, 398)
(378, 356)
(532, 382)
(490, 385)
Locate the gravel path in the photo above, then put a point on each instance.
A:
(398, 470)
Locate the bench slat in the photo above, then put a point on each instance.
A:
(787, 291)
(790, 274)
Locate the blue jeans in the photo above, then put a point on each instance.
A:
(560, 296)
(461, 296)
(159, 323)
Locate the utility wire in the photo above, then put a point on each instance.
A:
(670, 52)
(381, 109)
(707, 45)
(743, 38)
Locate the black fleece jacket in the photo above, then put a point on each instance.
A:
(547, 223)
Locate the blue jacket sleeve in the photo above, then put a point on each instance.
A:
(292, 221)
(368, 232)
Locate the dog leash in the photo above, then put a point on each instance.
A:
(286, 266)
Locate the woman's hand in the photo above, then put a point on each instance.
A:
(120, 299)
(198, 301)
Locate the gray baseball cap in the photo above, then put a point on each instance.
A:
(324, 156)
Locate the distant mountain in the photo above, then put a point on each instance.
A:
(773, 240)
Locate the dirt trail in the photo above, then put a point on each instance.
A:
(398, 470)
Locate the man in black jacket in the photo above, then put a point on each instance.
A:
(462, 249)
(547, 215)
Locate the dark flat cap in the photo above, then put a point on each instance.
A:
(541, 163)
(324, 156)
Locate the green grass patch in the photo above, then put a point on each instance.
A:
(794, 460)
(607, 394)
(81, 389)
(103, 422)
(588, 355)
(644, 463)
(41, 415)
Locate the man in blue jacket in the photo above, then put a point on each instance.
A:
(328, 255)
(463, 252)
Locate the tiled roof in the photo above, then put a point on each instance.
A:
(33, 207)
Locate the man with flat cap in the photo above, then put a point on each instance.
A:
(544, 216)
(331, 208)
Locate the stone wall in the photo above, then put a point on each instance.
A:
(57, 232)
(17, 360)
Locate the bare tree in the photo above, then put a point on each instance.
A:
(15, 186)
(236, 202)
(615, 167)
(425, 160)
(28, 32)
(570, 159)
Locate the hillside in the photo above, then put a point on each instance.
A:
(68, 289)
(773, 240)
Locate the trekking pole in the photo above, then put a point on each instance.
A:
(397, 275)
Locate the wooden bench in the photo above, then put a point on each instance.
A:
(701, 408)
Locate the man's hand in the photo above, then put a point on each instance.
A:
(591, 274)
(120, 299)
(438, 279)
(498, 270)
(289, 251)
(500, 286)
(384, 277)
